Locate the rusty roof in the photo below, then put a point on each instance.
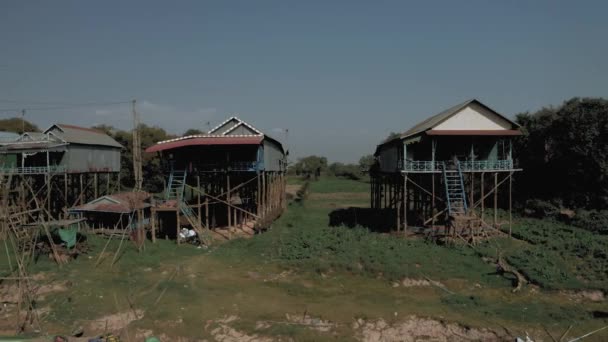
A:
(201, 140)
(121, 203)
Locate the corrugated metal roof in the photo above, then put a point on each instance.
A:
(82, 135)
(124, 202)
(501, 132)
(444, 115)
(201, 140)
(8, 137)
(33, 145)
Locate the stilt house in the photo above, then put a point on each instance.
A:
(232, 176)
(446, 169)
(65, 165)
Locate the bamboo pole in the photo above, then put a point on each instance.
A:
(405, 204)
(483, 196)
(198, 197)
(228, 199)
(495, 199)
(433, 201)
(510, 203)
(207, 212)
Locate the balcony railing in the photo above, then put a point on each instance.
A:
(32, 170)
(475, 165)
(233, 166)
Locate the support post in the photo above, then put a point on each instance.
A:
(96, 190)
(510, 203)
(207, 212)
(405, 204)
(398, 207)
(483, 196)
(153, 224)
(228, 199)
(433, 202)
(80, 197)
(198, 197)
(495, 199)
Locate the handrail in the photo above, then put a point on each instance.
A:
(464, 196)
(447, 191)
(470, 165)
(28, 170)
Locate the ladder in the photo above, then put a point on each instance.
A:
(194, 221)
(176, 184)
(456, 198)
(175, 191)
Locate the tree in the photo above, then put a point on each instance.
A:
(311, 166)
(392, 135)
(192, 131)
(564, 153)
(366, 162)
(153, 173)
(16, 125)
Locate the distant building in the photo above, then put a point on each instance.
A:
(63, 166)
(61, 149)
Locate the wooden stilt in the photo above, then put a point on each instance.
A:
(228, 199)
(177, 225)
(495, 199)
(510, 203)
(483, 196)
(398, 207)
(80, 197)
(207, 212)
(405, 204)
(153, 224)
(198, 198)
(258, 196)
(433, 201)
(95, 189)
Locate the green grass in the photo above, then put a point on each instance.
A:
(337, 185)
(334, 273)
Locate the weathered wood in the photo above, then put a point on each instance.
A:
(495, 199)
(405, 204)
(510, 203)
(228, 199)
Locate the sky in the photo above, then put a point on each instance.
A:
(338, 75)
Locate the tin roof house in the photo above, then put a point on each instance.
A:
(234, 166)
(443, 164)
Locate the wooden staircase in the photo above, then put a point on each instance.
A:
(456, 197)
(175, 191)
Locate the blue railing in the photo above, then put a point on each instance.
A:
(233, 166)
(476, 165)
(31, 170)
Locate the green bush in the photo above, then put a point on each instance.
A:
(540, 209)
(592, 220)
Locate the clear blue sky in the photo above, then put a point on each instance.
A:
(340, 75)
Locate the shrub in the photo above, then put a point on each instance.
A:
(540, 209)
(592, 220)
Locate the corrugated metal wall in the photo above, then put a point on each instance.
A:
(88, 158)
(274, 159)
(389, 158)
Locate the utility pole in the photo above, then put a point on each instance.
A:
(22, 121)
(137, 167)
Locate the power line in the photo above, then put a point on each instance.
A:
(67, 106)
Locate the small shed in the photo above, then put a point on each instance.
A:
(117, 210)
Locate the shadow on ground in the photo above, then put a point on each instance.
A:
(375, 220)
